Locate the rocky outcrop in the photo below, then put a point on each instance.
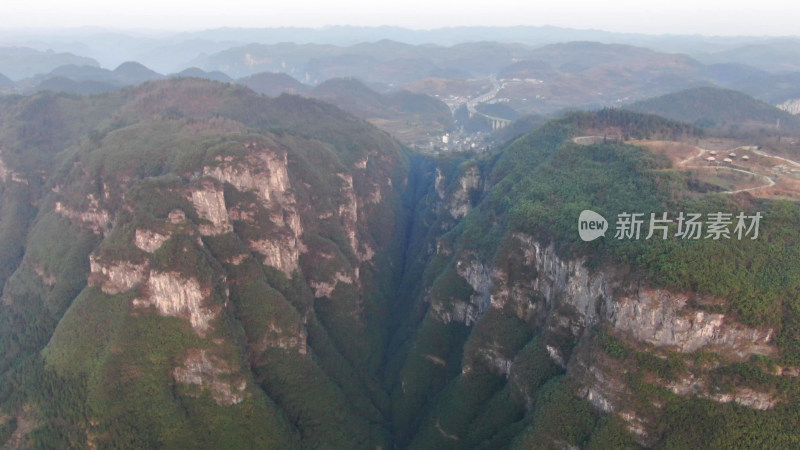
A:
(175, 296)
(149, 241)
(212, 374)
(663, 319)
(744, 396)
(209, 202)
(459, 204)
(349, 215)
(285, 337)
(479, 277)
(7, 174)
(348, 211)
(93, 217)
(439, 184)
(280, 253)
(325, 288)
(792, 106)
(455, 311)
(564, 298)
(176, 216)
(655, 316)
(264, 172)
(115, 277)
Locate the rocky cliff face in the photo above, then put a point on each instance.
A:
(602, 327)
(458, 201)
(206, 372)
(253, 272)
(208, 262)
(568, 302)
(264, 173)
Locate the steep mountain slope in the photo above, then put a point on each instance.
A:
(516, 319)
(221, 274)
(189, 264)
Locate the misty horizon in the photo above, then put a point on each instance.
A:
(681, 17)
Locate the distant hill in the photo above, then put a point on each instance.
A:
(591, 75)
(544, 79)
(351, 95)
(6, 82)
(84, 73)
(21, 62)
(132, 72)
(775, 55)
(63, 84)
(196, 72)
(273, 84)
(536, 69)
(356, 98)
(384, 61)
(714, 107)
(413, 103)
(85, 79)
(576, 57)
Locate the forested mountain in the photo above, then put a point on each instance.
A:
(215, 263)
(530, 79)
(195, 72)
(87, 79)
(273, 84)
(356, 98)
(189, 264)
(714, 107)
(21, 62)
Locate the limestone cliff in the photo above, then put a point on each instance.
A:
(565, 300)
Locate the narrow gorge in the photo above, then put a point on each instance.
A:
(206, 267)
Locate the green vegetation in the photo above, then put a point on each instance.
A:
(560, 417)
(309, 369)
(721, 110)
(397, 350)
(538, 185)
(544, 181)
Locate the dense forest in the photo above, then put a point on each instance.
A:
(187, 263)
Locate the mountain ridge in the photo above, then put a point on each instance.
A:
(208, 266)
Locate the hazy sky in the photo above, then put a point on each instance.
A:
(710, 17)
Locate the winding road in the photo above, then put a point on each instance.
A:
(769, 180)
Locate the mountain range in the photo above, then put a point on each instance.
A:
(188, 263)
(530, 79)
(362, 238)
